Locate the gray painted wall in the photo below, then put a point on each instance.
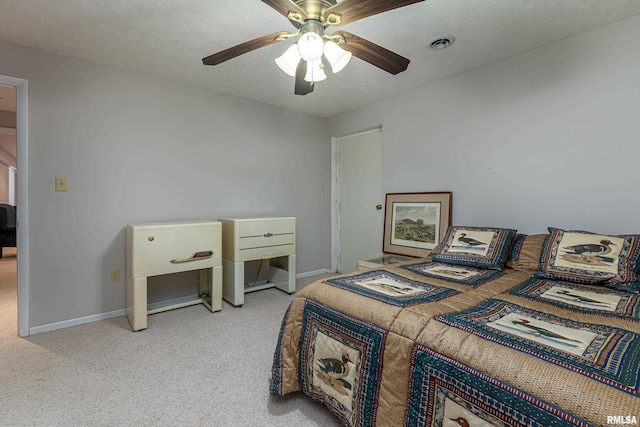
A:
(4, 184)
(547, 138)
(139, 149)
(7, 119)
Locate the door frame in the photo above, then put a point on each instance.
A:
(336, 196)
(22, 151)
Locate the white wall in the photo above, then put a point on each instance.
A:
(139, 149)
(4, 184)
(7, 150)
(547, 138)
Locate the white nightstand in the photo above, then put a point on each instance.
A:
(256, 238)
(381, 261)
(160, 248)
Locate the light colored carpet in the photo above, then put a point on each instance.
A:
(191, 367)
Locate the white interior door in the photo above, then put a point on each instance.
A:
(361, 199)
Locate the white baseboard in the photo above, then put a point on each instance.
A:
(77, 321)
(103, 316)
(312, 273)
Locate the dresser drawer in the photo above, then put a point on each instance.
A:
(245, 239)
(172, 247)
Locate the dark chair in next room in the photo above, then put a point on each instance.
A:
(7, 227)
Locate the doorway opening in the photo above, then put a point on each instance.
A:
(8, 258)
(15, 283)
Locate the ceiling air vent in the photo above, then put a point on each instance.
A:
(441, 42)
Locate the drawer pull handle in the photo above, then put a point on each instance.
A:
(195, 257)
(268, 235)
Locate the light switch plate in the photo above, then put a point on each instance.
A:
(62, 183)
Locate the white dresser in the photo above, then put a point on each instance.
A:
(258, 238)
(171, 247)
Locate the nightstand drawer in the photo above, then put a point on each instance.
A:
(172, 247)
(245, 239)
(253, 227)
(264, 252)
(267, 239)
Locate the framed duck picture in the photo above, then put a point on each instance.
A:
(415, 223)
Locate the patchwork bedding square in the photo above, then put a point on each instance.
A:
(391, 288)
(483, 247)
(607, 354)
(341, 362)
(585, 257)
(575, 297)
(445, 392)
(470, 276)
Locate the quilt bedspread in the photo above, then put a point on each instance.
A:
(419, 344)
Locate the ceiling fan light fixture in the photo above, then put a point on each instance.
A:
(337, 57)
(288, 61)
(304, 60)
(315, 73)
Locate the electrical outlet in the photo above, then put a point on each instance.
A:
(115, 275)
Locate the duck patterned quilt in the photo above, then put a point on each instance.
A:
(429, 344)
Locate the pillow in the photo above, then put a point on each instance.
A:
(591, 258)
(482, 247)
(436, 249)
(525, 252)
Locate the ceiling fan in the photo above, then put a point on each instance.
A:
(304, 59)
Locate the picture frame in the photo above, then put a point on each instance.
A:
(415, 223)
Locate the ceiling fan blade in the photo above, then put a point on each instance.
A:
(348, 11)
(372, 53)
(245, 47)
(285, 7)
(303, 87)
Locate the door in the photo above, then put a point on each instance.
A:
(360, 200)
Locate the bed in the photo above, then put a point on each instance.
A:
(495, 328)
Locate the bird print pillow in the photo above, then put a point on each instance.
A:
(591, 258)
(482, 247)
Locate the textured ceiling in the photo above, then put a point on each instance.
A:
(168, 39)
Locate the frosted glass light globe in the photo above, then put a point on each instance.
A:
(337, 57)
(315, 73)
(288, 61)
(310, 46)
